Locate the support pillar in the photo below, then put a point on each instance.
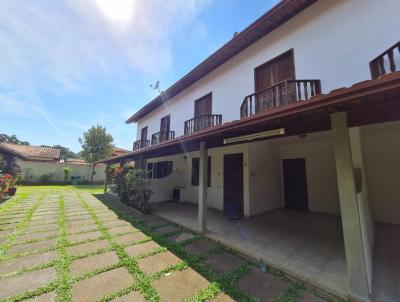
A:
(106, 180)
(203, 172)
(353, 241)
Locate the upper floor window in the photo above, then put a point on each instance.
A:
(195, 171)
(203, 105)
(274, 71)
(143, 134)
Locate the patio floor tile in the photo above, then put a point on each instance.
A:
(180, 285)
(27, 281)
(129, 238)
(88, 247)
(131, 297)
(94, 288)
(224, 262)
(34, 246)
(26, 262)
(263, 286)
(158, 262)
(138, 249)
(92, 263)
(199, 247)
(84, 236)
(49, 297)
(177, 238)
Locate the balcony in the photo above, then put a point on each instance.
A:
(140, 144)
(281, 94)
(160, 137)
(386, 62)
(202, 122)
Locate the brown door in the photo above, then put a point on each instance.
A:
(295, 184)
(202, 111)
(233, 185)
(269, 74)
(165, 128)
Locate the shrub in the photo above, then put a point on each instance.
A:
(138, 190)
(67, 171)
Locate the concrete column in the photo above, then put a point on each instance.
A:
(106, 180)
(354, 248)
(203, 172)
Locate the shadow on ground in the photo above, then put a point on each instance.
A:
(242, 279)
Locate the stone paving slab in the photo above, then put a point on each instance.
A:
(34, 246)
(94, 288)
(49, 297)
(116, 223)
(81, 222)
(178, 238)
(153, 264)
(129, 238)
(17, 264)
(181, 285)
(308, 297)
(200, 246)
(131, 297)
(27, 281)
(224, 262)
(263, 286)
(88, 247)
(37, 236)
(165, 229)
(92, 263)
(142, 248)
(222, 298)
(83, 228)
(84, 236)
(121, 230)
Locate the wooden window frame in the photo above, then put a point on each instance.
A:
(278, 57)
(201, 98)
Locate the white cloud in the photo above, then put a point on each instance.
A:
(64, 43)
(59, 46)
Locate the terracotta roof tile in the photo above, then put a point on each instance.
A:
(34, 152)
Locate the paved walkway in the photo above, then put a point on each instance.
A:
(75, 247)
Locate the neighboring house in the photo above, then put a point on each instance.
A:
(119, 151)
(42, 164)
(33, 153)
(265, 130)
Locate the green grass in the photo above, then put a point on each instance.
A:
(59, 189)
(63, 262)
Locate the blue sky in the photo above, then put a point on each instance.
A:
(67, 65)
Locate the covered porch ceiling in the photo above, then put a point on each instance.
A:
(367, 102)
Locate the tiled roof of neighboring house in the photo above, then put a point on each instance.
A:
(29, 152)
(119, 151)
(361, 96)
(272, 19)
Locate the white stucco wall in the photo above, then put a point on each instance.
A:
(381, 154)
(332, 41)
(182, 173)
(32, 171)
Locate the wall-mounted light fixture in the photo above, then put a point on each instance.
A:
(185, 158)
(254, 136)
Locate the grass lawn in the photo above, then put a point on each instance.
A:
(74, 243)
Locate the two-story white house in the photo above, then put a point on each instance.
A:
(284, 144)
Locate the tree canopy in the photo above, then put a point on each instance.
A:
(96, 144)
(11, 139)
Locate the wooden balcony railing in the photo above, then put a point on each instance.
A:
(140, 144)
(281, 94)
(388, 61)
(160, 137)
(202, 122)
